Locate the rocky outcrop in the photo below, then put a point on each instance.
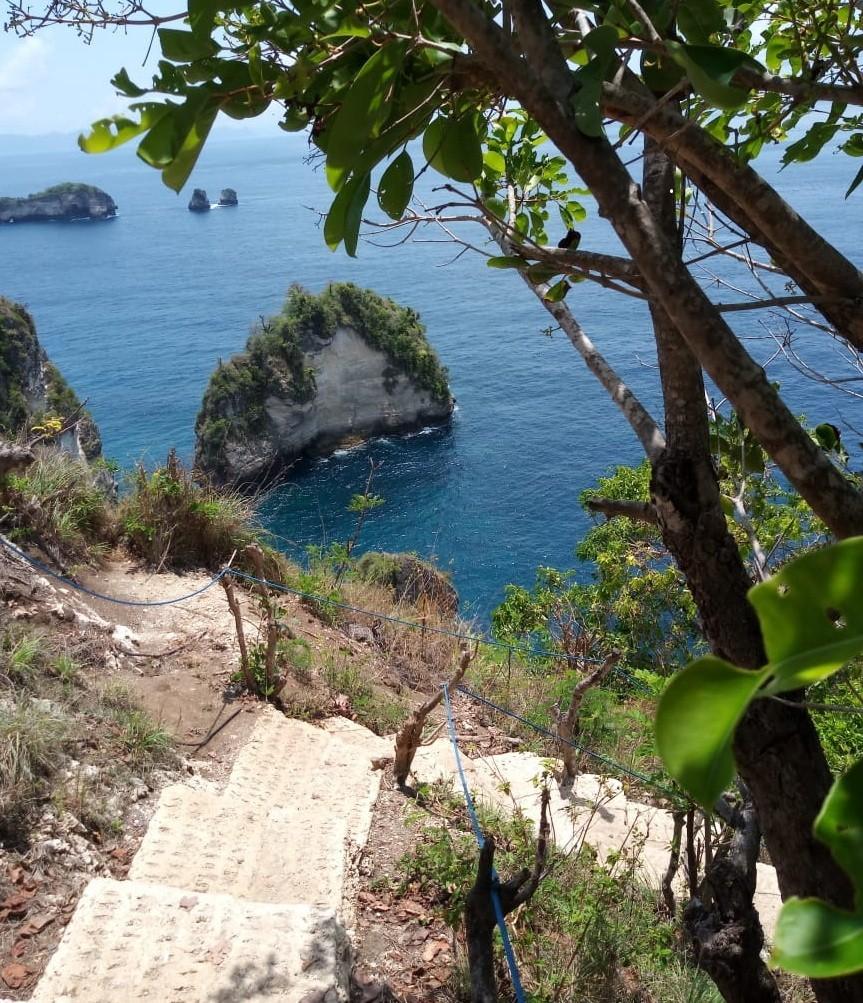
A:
(67, 202)
(411, 579)
(199, 201)
(228, 197)
(34, 396)
(330, 369)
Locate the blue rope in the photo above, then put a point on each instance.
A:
(618, 767)
(515, 649)
(99, 595)
(480, 839)
(279, 587)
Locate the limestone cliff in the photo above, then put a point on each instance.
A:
(64, 202)
(330, 369)
(33, 390)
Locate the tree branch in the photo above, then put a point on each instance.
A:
(612, 507)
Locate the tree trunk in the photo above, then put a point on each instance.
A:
(777, 747)
(723, 925)
(727, 937)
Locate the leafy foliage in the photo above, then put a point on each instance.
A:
(171, 520)
(636, 601)
(602, 908)
(812, 626)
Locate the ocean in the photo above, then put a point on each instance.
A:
(138, 311)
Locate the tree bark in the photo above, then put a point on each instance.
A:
(723, 925)
(479, 911)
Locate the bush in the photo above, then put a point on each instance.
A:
(32, 746)
(585, 925)
(170, 520)
(57, 503)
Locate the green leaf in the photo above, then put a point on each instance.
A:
(396, 186)
(811, 615)
(840, 825)
(202, 16)
(601, 42)
(542, 273)
(858, 177)
(816, 939)
(346, 213)
(588, 117)
(494, 161)
(176, 174)
(453, 147)
(510, 261)
(699, 19)
(711, 68)
(294, 120)
(366, 107)
(827, 436)
(557, 292)
(109, 133)
(660, 73)
(167, 137)
(185, 46)
(695, 723)
(125, 86)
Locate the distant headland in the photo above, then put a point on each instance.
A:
(66, 202)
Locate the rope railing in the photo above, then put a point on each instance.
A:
(508, 951)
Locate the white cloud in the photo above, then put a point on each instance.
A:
(24, 71)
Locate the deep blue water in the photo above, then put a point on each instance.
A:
(137, 312)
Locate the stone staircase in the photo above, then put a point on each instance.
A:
(238, 895)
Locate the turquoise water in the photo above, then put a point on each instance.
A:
(138, 311)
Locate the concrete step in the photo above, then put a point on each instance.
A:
(207, 842)
(131, 941)
(297, 805)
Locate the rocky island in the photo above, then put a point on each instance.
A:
(66, 202)
(199, 201)
(329, 369)
(33, 390)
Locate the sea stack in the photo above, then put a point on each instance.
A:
(328, 370)
(228, 197)
(199, 201)
(67, 202)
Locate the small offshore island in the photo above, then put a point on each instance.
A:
(67, 202)
(328, 370)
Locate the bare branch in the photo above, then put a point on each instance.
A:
(635, 510)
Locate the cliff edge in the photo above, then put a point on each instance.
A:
(33, 390)
(329, 369)
(65, 202)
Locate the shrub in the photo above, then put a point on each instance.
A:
(171, 520)
(32, 746)
(57, 503)
(586, 923)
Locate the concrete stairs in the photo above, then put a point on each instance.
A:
(239, 894)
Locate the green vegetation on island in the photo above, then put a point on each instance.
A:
(33, 391)
(274, 361)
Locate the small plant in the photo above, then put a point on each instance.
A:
(31, 749)
(142, 739)
(57, 503)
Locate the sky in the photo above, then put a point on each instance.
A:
(53, 82)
